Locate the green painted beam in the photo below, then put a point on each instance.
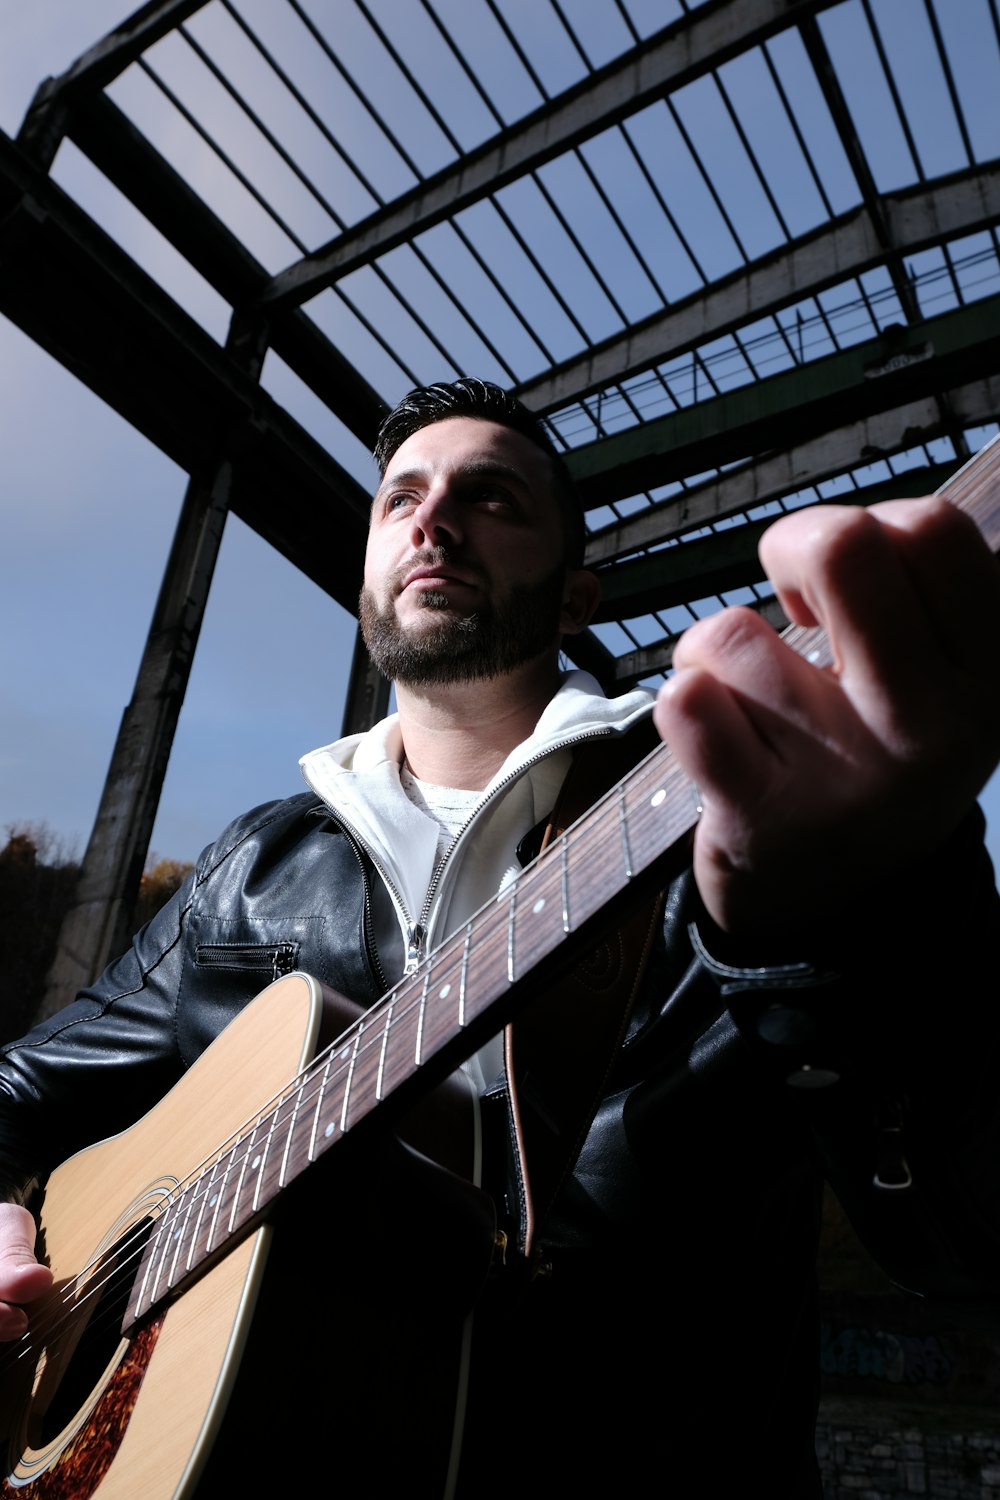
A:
(903, 363)
(726, 560)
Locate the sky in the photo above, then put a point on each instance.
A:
(89, 510)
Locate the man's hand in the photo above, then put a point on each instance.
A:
(22, 1278)
(817, 782)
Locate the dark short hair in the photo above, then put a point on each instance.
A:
(471, 397)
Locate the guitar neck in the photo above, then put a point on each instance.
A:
(632, 839)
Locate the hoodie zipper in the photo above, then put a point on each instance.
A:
(415, 932)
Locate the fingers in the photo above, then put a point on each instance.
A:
(954, 575)
(22, 1278)
(722, 710)
(908, 593)
(828, 772)
(759, 728)
(902, 581)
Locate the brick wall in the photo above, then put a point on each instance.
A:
(886, 1459)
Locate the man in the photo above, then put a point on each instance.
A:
(816, 1001)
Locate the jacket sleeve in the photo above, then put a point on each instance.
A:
(92, 1068)
(885, 1038)
(279, 889)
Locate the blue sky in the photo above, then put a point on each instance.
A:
(89, 510)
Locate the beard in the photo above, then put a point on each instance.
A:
(462, 648)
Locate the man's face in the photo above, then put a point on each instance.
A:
(465, 566)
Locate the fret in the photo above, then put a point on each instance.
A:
(318, 1111)
(138, 1299)
(266, 1179)
(196, 1194)
(220, 1198)
(260, 1174)
(366, 1076)
(399, 1051)
(247, 1160)
(171, 1242)
(283, 1175)
(177, 1234)
(350, 1074)
(233, 1182)
(623, 830)
(160, 1250)
(511, 908)
(386, 1027)
(421, 1017)
(463, 973)
(564, 880)
(482, 964)
(207, 1201)
(331, 1122)
(288, 1127)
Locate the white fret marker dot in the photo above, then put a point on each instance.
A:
(444, 992)
(255, 1163)
(329, 1130)
(657, 798)
(538, 905)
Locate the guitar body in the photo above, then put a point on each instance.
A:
(277, 1332)
(144, 1422)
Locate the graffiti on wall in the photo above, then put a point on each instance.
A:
(874, 1354)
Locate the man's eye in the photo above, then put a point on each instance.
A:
(396, 502)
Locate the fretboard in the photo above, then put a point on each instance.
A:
(469, 987)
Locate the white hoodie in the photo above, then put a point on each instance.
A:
(358, 779)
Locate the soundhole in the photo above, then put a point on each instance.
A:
(93, 1330)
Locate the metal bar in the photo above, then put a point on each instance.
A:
(685, 50)
(98, 924)
(954, 206)
(901, 365)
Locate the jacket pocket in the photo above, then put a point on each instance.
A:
(272, 959)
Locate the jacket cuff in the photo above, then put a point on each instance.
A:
(839, 999)
(778, 1008)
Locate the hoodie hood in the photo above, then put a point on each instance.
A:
(372, 759)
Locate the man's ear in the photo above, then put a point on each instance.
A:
(581, 596)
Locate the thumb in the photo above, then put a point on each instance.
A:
(22, 1278)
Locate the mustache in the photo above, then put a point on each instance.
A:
(426, 557)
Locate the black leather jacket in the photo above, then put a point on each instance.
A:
(677, 1308)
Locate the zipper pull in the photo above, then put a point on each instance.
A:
(414, 948)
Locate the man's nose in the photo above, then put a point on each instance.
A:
(437, 519)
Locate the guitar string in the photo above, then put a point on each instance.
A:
(968, 487)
